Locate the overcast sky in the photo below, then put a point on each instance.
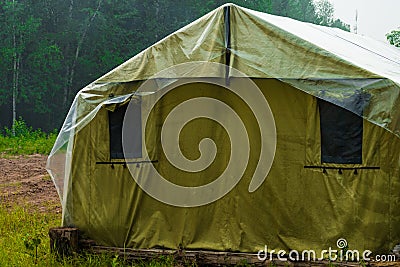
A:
(375, 17)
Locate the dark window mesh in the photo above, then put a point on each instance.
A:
(133, 144)
(341, 134)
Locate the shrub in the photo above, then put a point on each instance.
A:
(26, 140)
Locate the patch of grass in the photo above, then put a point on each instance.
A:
(11, 184)
(24, 241)
(46, 178)
(18, 226)
(25, 141)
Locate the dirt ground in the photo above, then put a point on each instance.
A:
(25, 181)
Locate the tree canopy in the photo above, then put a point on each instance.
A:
(50, 49)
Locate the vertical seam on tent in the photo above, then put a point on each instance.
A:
(90, 173)
(227, 25)
(306, 132)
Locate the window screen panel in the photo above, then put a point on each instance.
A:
(133, 142)
(341, 134)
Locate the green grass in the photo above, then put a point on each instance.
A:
(25, 141)
(19, 227)
(22, 230)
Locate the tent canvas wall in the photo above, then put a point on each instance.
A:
(334, 97)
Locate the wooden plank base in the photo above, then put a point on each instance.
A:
(67, 241)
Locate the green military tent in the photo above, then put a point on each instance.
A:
(322, 157)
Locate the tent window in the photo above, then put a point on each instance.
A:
(341, 134)
(134, 143)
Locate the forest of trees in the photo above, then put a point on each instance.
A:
(50, 49)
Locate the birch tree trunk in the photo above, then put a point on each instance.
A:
(15, 73)
(67, 86)
(71, 70)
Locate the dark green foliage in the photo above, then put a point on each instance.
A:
(62, 45)
(26, 141)
(31, 245)
(394, 37)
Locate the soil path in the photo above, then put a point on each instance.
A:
(25, 181)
